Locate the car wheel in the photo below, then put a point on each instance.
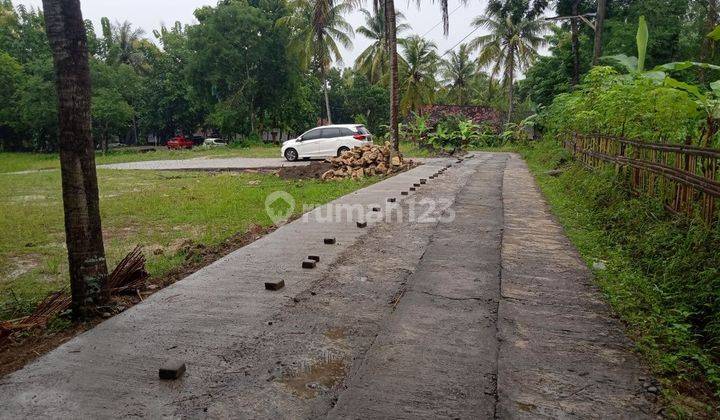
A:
(342, 150)
(291, 155)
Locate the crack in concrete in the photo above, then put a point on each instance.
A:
(448, 297)
(500, 296)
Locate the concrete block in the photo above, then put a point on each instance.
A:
(361, 224)
(329, 241)
(315, 258)
(172, 369)
(274, 284)
(308, 264)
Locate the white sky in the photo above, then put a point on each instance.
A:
(149, 14)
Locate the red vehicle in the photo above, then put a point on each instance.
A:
(179, 142)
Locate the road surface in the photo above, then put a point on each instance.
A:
(476, 308)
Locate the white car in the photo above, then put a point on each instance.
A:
(211, 142)
(325, 141)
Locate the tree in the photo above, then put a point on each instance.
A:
(123, 44)
(599, 23)
(457, 72)
(418, 75)
(110, 113)
(394, 78)
(11, 76)
(512, 44)
(374, 61)
(86, 252)
(317, 26)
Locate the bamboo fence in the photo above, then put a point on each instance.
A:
(685, 177)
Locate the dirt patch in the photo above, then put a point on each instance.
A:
(311, 171)
(318, 376)
(16, 352)
(22, 264)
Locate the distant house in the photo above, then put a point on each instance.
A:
(478, 114)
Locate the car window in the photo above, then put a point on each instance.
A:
(346, 132)
(329, 133)
(311, 135)
(362, 130)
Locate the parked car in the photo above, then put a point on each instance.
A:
(212, 142)
(179, 142)
(325, 141)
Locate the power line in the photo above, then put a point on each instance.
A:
(460, 42)
(441, 20)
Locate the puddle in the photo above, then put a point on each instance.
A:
(337, 333)
(318, 376)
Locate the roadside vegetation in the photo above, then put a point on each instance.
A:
(166, 212)
(661, 275)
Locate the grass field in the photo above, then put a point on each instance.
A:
(159, 210)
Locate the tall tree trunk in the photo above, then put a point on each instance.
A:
(327, 98)
(510, 77)
(83, 232)
(599, 22)
(575, 44)
(706, 48)
(392, 48)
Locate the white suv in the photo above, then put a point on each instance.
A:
(329, 140)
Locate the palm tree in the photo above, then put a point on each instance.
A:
(317, 26)
(510, 47)
(374, 62)
(457, 72)
(418, 73)
(65, 30)
(123, 43)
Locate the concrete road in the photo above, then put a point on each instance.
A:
(466, 300)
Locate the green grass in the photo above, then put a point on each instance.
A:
(662, 276)
(155, 209)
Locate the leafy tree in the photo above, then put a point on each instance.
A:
(374, 61)
(110, 113)
(38, 107)
(511, 46)
(317, 27)
(227, 51)
(11, 77)
(457, 72)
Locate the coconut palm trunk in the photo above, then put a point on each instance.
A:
(394, 85)
(83, 232)
(510, 78)
(327, 98)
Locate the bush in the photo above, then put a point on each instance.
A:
(625, 105)
(663, 270)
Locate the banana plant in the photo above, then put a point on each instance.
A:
(635, 65)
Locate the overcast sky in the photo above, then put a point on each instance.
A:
(149, 14)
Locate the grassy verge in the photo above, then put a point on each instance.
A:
(662, 273)
(160, 210)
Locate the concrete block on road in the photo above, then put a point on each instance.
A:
(172, 369)
(274, 284)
